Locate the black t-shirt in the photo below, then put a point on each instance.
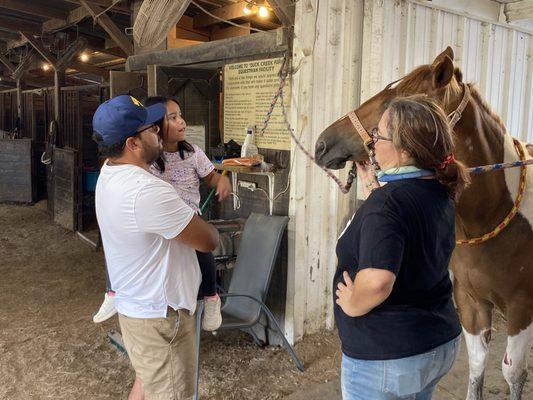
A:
(408, 228)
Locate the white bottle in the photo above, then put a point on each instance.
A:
(249, 148)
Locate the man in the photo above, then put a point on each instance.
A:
(149, 237)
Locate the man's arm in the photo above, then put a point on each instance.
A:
(199, 235)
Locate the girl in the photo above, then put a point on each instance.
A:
(183, 165)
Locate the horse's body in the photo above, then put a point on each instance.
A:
(498, 272)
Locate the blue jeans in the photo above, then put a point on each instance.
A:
(412, 377)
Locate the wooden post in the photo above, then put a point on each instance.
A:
(59, 80)
(19, 100)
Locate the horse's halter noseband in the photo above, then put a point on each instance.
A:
(368, 142)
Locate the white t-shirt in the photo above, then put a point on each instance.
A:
(139, 215)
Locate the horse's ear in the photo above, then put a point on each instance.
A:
(442, 72)
(458, 74)
(448, 52)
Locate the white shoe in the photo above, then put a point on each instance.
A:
(212, 317)
(107, 309)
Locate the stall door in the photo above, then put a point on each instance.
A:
(132, 83)
(198, 94)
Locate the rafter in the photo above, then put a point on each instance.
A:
(49, 57)
(29, 7)
(4, 60)
(9, 35)
(105, 3)
(14, 24)
(109, 26)
(284, 10)
(519, 11)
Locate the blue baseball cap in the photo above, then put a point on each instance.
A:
(122, 116)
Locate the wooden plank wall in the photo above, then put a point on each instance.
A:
(65, 187)
(16, 168)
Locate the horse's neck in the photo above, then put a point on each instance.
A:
(480, 141)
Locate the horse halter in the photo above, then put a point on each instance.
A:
(368, 142)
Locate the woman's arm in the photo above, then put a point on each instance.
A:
(220, 182)
(370, 288)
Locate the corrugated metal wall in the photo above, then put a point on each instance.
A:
(345, 51)
(400, 35)
(325, 86)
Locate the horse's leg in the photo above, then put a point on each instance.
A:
(476, 318)
(519, 342)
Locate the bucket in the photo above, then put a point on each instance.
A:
(90, 178)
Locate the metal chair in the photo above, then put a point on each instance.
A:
(244, 302)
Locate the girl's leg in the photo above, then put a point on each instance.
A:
(212, 317)
(208, 268)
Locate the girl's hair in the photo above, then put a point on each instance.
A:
(183, 145)
(418, 125)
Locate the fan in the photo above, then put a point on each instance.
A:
(155, 18)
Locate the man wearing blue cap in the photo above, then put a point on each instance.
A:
(149, 236)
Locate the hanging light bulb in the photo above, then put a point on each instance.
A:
(247, 10)
(46, 67)
(263, 11)
(84, 57)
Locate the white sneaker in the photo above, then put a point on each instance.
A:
(212, 317)
(107, 309)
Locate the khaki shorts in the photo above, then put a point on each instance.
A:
(163, 353)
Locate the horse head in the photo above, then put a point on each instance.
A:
(341, 142)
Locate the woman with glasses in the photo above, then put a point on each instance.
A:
(393, 295)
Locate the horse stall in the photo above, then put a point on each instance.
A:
(75, 163)
(215, 116)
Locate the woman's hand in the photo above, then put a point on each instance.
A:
(344, 295)
(366, 175)
(223, 187)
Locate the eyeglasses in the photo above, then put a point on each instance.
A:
(152, 127)
(374, 134)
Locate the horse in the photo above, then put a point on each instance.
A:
(492, 262)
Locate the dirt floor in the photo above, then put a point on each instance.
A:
(51, 283)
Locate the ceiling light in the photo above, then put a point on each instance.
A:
(46, 67)
(84, 57)
(247, 10)
(263, 12)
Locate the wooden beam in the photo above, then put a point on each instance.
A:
(72, 18)
(109, 26)
(9, 35)
(3, 59)
(231, 31)
(260, 43)
(29, 7)
(519, 11)
(53, 25)
(230, 12)
(49, 57)
(89, 69)
(105, 3)
(284, 10)
(24, 65)
(14, 24)
(72, 51)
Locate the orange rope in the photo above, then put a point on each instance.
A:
(507, 220)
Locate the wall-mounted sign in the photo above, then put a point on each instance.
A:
(249, 88)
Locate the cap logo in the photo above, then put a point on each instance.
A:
(136, 102)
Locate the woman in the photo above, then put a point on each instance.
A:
(393, 296)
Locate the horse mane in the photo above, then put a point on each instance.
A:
(486, 106)
(420, 76)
